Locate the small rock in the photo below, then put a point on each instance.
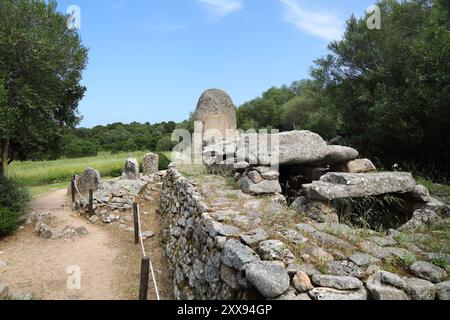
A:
(269, 279)
(271, 250)
(418, 289)
(363, 260)
(94, 219)
(380, 291)
(443, 291)
(383, 242)
(392, 279)
(147, 234)
(344, 268)
(302, 282)
(21, 296)
(237, 255)
(337, 282)
(428, 271)
(401, 253)
(82, 231)
(45, 232)
(333, 294)
(254, 237)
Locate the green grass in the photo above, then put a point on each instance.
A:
(52, 174)
(437, 189)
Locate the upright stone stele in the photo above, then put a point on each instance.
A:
(89, 179)
(131, 169)
(216, 111)
(150, 164)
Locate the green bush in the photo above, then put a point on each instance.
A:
(8, 221)
(164, 161)
(14, 199)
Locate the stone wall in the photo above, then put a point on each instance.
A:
(192, 242)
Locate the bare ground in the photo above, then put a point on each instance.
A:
(107, 256)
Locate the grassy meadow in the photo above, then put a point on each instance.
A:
(58, 172)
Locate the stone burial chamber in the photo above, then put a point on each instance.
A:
(325, 182)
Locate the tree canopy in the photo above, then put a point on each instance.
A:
(41, 64)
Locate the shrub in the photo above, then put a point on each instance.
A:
(8, 221)
(13, 203)
(164, 161)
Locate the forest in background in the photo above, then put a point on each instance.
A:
(385, 92)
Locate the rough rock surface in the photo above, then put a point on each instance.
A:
(358, 185)
(130, 169)
(150, 164)
(418, 289)
(264, 187)
(268, 278)
(333, 294)
(89, 179)
(216, 110)
(428, 271)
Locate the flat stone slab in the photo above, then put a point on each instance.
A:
(358, 185)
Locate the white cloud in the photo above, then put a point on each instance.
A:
(220, 8)
(324, 25)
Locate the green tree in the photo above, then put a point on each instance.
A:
(41, 63)
(392, 86)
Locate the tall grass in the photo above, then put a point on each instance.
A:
(38, 173)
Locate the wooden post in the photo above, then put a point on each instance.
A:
(72, 187)
(136, 223)
(91, 202)
(145, 269)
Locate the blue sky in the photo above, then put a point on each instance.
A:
(150, 60)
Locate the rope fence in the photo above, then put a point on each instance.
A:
(146, 263)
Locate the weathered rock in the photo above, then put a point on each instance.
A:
(264, 187)
(150, 164)
(268, 278)
(131, 170)
(380, 291)
(147, 235)
(229, 276)
(16, 296)
(317, 254)
(428, 271)
(337, 282)
(391, 279)
(254, 237)
(333, 294)
(375, 250)
(89, 179)
(358, 185)
(363, 260)
(45, 232)
(344, 268)
(271, 250)
(305, 147)
(418, 289)
(94, 219)
(302, 282)
(218, 229)
(383, 242)
(356, 166)
(443, 290)
(421, 218)
(401, 253)
(216, 111)
(255, 176)
(237, 255)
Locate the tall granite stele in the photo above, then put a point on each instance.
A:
(217, 115)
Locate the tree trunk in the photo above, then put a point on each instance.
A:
(5, 157)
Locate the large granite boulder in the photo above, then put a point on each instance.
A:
(89, 179)
(150, 164)
(131, 169)
(216, 111)
(358, 185)
(263, 187)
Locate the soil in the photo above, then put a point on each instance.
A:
(107, 257)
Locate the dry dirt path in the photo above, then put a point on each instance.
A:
(106, 256)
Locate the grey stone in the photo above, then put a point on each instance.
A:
(218, 229)
(401, 253)
(293, 236)
(255, 176)
(300, 205)
(94, 219)
(428, 271)
(418, 289)
(271, 250)
(358, 185)
(45, 232)
(391, 279)
(150, 164)
(421, 218)
(302, 282)
(333, 294)
(147, 234)
(375, 250)
(363, 260)
(305, 147)
(89, 179)
(317, 253)
(21, 296)
(337, 282)
(383, 242)
(380, 291)
(237, 255)
(130, 170)
(264, 187)
(269, 279)
(443, 290)
(344, 268)
(254, 237)
(229, 276)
